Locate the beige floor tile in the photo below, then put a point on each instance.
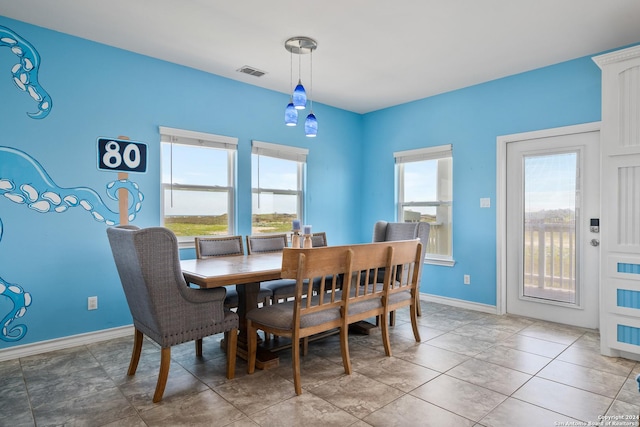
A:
(629, 392)
(572, 402)
(482, 333)
(305, 410)
(100, 407)
(593, 359)
(412, 411)
(199, 409)
(139, 389)
(588, 379)
(514, 359)
(622, 414)
(431, 357)
(514, 412)
(460, 344)
(397, 373)
(494, 377)
(470, 369)
(459, 397)
(357, 394)
(553, 332)
(256, 392)
(426, 333)
(534, 345)
(506, 323)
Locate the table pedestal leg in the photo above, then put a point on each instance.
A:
(247, 301)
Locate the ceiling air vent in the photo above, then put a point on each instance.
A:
(251, 71)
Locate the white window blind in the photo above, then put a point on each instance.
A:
(429, 153)
(188, 137)
(284, 152)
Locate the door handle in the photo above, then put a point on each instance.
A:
(595, 242)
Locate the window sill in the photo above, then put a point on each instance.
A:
(439, 261)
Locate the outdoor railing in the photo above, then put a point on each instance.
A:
(549, 255)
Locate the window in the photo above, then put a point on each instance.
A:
(277, 186)
(425, 193)
(198, 191)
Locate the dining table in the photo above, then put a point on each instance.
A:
(245, 272)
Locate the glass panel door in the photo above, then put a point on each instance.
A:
(549, 240)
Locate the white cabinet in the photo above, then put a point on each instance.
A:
(620, 203)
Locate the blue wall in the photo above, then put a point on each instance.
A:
(471, 119)
(62, 258)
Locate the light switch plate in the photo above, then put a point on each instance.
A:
(485, 202)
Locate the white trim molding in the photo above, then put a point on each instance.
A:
(65, 342)
(454, 302)
(501, 197)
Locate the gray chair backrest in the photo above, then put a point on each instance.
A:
(266, 243)
(148, 264)
(218, 246)
(384, 231)
(319, 239)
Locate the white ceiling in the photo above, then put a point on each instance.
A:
(371, 54)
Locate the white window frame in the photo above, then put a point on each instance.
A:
(209, 140)
(284, 152)
(420, 154)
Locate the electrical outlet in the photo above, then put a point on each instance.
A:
(467, 279)
(92, 303)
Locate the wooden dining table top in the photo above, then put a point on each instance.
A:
(232, 270)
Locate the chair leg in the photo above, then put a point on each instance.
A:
(392, 318)
(138, 338)
(199, 347)
(418, 307)
(344, 349)
(267, 335)
(385, 333)
(305, 346)
(165, 362)
(414, 322)
(232, 346)
(295, 352)
(252, 346)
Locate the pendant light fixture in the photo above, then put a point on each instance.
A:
(311, 124)
(290, 113)
(298, 101)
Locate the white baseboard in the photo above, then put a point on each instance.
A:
(65, 342)
(476, 306)
(123, 331)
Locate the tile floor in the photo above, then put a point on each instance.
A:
(471, 369)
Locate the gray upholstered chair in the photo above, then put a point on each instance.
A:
(384, 231)
(163, 307)
(280, 289)
(319, 239)
(207, 247)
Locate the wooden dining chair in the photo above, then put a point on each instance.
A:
(384, 231)
(163, 307)
(385, 278)
(281, 289)
(302, 317)
(218, 246)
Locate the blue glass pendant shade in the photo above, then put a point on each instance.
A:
(299, 97)
(291, 115)
(311, 126)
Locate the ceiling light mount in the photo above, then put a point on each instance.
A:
(300, 45)
(298, 101)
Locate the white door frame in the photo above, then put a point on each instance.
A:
(501, 197)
